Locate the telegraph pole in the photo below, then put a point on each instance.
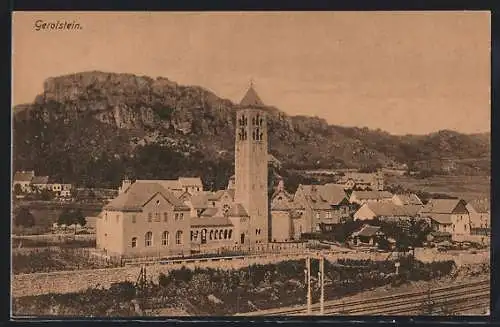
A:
(322, 281)
(308, 276)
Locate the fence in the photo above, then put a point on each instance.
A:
(48, 240)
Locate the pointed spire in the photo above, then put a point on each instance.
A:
(251, 98)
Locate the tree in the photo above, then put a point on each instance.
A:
(79, 218)
(65, 218)
(46, 195)
(23, 217)
(18, 190)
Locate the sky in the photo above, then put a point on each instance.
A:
(402, 72)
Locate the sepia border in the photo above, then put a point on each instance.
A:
(266, 5)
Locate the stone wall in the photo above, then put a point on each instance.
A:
(79, 280)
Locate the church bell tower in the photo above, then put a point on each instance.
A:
(251, 159)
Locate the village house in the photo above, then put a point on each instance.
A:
(144, 220)
(387, 211)
(23, 179)
(39, 183)
(60, 189)
(362, 197)
(324, 204)
(406, 199)
(480, 216)
(192, 185)
(448, 215)
(287, 216)
(363, 181)
(367, 235)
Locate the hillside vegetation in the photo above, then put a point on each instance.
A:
(91, 128)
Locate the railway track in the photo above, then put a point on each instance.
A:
(447, 300)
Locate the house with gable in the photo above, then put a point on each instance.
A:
(323, 204)
(480, 216)
(23, 179)
(406, 199)
(387, 211)
(287, 216)
(448, 215)
(362, 197)
(145, 219)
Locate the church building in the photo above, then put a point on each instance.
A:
(172, 217)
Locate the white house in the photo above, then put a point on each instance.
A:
(448, 215)
(386, 211)
(406, 199)
(362, 197)
(480, 216)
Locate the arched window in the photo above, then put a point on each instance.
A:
(148, 239)
(134, 242)
(211, 237)
(221, 232)
(215, 235)
(225, 234)
(178, 237)
(203, 236)
(165, 238)
(230, 234)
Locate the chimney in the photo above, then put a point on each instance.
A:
(125, 185)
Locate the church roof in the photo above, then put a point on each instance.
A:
(138, 194)
(237, 210)
(251, 98)
(210, 212)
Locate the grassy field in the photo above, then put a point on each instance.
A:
(466, 187)
(47, 213)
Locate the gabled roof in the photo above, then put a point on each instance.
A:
(237, 210)
(282, 193)
(410, 198)
(166, 183)
(138, 194)
(210, 212)
(441, 205)
(199, 201)
(220, 193)
(480, 205)
(442, 218)
(210, 222)
(372, 195)
(190, 181)
(367, 231)
(40, 180)
(24, 176)
(251, 98)
(319, 195)
(389, 209)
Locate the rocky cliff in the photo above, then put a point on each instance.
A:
(123, 123)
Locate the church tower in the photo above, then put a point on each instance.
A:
(251, 158)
